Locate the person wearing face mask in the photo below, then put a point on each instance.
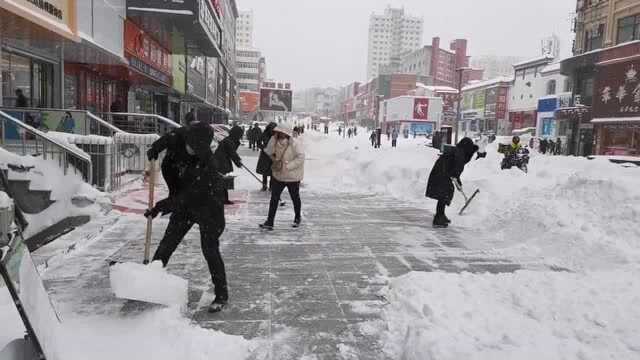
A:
(199, 200)
(287, 172)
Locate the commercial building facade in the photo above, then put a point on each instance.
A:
(484, 107)
(606, 42)
(119, 56)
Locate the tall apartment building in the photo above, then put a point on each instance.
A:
(248, 69)
(244, 30)
(390, 36)
(437, 66)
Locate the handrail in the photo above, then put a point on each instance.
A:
(104, 123)
(159, 117)
(73, 111)
(69, 149)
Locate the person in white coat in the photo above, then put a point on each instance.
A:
(287, 172)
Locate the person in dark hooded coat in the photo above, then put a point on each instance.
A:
(264, 161)
(199, 200)
(447, 169)
(176, 158)
(227, 152)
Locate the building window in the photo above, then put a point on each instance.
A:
(567, 85)
(551, 87)
(593, 39)
(628, 29)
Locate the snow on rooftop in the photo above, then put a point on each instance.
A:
(551, 67)
(534, 60)
(488, 83)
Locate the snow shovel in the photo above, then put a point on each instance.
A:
(152, 186)
(148, 282)
(252, 174)
(467, 200)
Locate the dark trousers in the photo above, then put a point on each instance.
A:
(277, 187)
(440, 208)
(212, 224)
(394, 142)
(171, 176)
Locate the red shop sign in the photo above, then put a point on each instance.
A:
(617, 90)
(421, 108)
(141, 46)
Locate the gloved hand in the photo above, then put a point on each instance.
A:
(152, 154)
(152, 213)
(457, 183)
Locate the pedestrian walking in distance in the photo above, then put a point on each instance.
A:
(373, 138)
(394, 137)
(446, 170)
(264, 161)
(226, 153)
(199, 200)
(288, 171)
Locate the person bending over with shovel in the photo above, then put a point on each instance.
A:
(199, 201)
(446, 171)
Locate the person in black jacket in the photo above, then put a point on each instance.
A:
(176, 158)
(264, 161)
(199, 200)
(226, 153)
(446, 170)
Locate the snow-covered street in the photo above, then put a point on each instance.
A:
(367, 277)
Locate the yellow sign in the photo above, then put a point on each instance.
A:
(56, 15)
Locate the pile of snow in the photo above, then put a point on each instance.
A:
(524, 315)
(150, 283)
(162, 334)
(576, 212)
(47, 175)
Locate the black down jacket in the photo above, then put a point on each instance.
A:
(264, 161)
(449, 165)
(227, 151)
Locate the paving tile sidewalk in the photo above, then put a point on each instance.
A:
(312, 291)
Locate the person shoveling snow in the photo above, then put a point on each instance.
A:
(198, 201)
(444, 173)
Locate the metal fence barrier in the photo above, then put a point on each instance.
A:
(20, 138)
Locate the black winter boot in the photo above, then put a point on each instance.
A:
(440, 221)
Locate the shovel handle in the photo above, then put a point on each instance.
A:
(252, 174)
(152, 185)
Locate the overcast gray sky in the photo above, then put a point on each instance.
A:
(324, 43)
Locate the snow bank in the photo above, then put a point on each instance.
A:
(150, 283)
(47, 175)
(574, 212)
(159, 334)
(524, 315)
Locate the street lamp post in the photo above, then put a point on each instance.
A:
(460, 72)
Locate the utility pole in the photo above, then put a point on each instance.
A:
(460, 72)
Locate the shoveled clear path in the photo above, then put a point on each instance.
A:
(313, 291)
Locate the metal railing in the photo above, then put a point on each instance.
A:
(21, 138)
(135, 123)
(79, 122)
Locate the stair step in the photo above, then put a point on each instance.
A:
(30, 201)
(55, 231)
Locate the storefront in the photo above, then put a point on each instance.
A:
(616, 107)
(522, 119)
(573, 126)
(30, 55)
(150, 72)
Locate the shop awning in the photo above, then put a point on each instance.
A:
(193, 18)
(615, 120)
